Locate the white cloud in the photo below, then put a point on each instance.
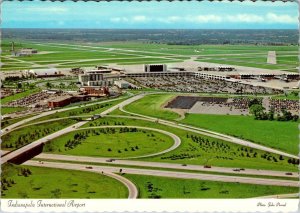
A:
(245, 18)
(47, 9)
(204, 18)
(140, 19)
(282, 19)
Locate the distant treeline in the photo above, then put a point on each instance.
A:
(172, 37)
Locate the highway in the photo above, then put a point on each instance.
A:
(171, 174)
(165, 165)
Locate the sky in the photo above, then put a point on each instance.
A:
(150, 15)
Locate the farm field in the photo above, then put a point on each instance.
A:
(210, 151)
(49, 183)
(27, 134)
(108, 142)
(275, 134)
(164, 187)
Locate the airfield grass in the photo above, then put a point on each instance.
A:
(18, 96)
(165, 187)
(127, 53)
(59, 183)
(112, 144)
(8, 110)
(214, 152)
(27, 134)
(275, 134)
(152, 105)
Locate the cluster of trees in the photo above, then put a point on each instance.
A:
(260, 114)
(77, 140)
(293, 161)
(181, 156)
(5, 184)
(24, 172)
(153, 190)
(206, 145)
(219, 147)
(89, 109)
(133, 148)
(26, 138)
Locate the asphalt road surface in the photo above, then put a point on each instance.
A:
(172, 174)
(165, 165)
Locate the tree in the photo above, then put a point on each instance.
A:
(49, 85)
(256, 109)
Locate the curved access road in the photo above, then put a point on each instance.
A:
(172, 174)
(132, 189)
(163, 165)
(206, 132)
(176, 139)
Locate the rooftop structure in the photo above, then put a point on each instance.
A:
(42, 73)
(155, 67)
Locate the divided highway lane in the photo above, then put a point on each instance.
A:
(172, 174)
(165, 165)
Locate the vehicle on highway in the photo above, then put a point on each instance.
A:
(89, 167)
(183, 165)
(236, 170)
(207, 166)
(289, 173)
(110, 160)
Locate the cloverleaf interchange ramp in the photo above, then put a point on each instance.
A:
(111, 170)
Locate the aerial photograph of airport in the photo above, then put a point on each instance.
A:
(149, 100)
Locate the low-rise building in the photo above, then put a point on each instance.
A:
(122, 84)
(95, 91)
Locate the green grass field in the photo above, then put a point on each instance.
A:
(275, 134)
(27, 134)
(152, 105)
(8, 110)
(164, 187)
(49, 183)
(210, 151)
(110, 143)
(7, 122)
